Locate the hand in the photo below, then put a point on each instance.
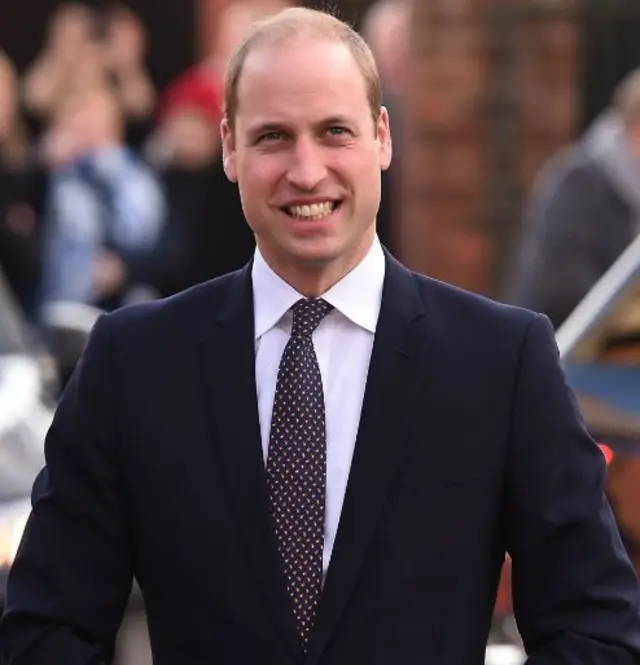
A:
(70, 30)
(109, 275)
(124, 48)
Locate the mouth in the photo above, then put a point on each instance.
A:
(312, 212)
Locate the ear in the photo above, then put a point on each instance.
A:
(384, 139)
(228, 151)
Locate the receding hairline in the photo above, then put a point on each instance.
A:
(292, 25)
(262, 49)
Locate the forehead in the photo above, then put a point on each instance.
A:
(302, 80)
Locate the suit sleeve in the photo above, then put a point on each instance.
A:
(576, 597)
(72, 576)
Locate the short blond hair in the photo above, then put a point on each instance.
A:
(288, 25)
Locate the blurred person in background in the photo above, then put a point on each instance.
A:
(207, 235)
(124, 49)
(86, 48)
(386, 27)
(20, 197)
(583, 212)
(70, 58)
(205, 222)
(105, 210)
(206, 78)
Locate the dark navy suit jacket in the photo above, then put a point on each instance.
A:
(470, 445)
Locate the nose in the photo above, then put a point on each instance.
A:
(307, 168)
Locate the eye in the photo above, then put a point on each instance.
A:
(270, 137)
(338, 131)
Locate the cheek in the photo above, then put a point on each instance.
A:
(364, 174)
(358, 162)
(255, 192)
(259, 178)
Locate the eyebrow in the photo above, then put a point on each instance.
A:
(336, 120)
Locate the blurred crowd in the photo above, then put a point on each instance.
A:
(109, 188)
(112, 191)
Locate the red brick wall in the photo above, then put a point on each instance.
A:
(447, 227)
(549, 91)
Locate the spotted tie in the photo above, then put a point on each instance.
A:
(296, 464)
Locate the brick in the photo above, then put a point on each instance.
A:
(548, 110)
(462, 258)
(458, 168)
(451, 160)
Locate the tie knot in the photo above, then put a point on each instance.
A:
(307, 314)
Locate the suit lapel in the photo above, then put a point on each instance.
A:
(395, 374)
(229, 371)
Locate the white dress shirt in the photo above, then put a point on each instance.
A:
(343, 342)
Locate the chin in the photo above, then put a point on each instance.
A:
(318, 251)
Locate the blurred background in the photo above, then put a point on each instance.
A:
(482, 94)
(516, 175)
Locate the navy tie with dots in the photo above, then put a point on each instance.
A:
(296, 464)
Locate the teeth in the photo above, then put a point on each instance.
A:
(313, 211)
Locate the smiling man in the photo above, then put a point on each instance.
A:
(307, 151)
(324, 457)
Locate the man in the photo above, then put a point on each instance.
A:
(583, 212)
(418, 432)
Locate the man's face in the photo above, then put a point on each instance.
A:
(307, 156)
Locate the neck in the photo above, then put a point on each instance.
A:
(313, 283)
(314, 279)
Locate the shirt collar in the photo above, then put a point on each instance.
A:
(357, 296)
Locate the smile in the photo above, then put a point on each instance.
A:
(313, 211)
